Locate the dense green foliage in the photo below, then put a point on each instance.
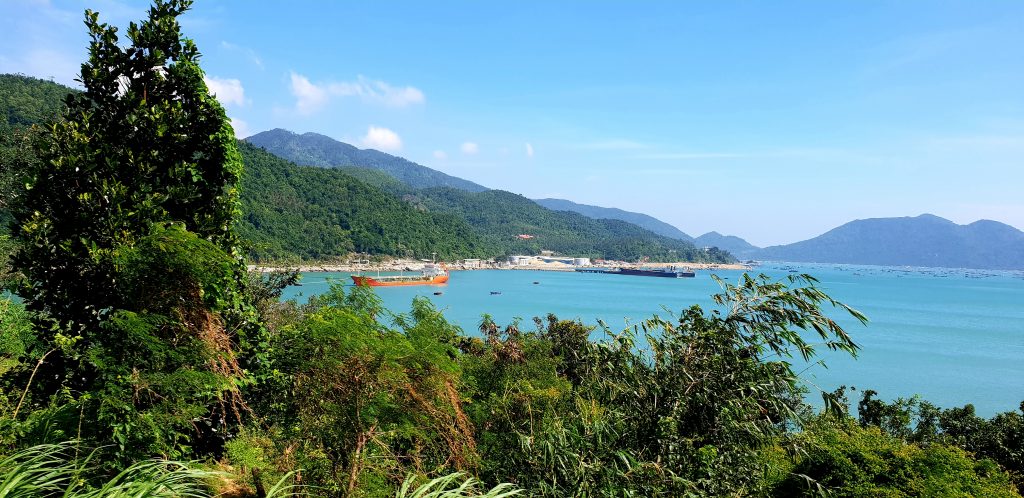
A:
(24, 102)
(313, 149)
(28, 101)
(317, 213)
(127, 255)
(1000, 438)
(144, 143)
(846, 460)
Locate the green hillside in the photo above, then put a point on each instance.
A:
(313, 149)
(499, 217)
(316, 213)
(496, 216)
(24, 101)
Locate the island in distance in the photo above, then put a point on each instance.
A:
(925, 240)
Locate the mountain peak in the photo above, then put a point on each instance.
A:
(924, 240)
(314, 149)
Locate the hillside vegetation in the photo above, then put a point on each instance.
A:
(24, 101)
(497, 217)
(500, 216)
(316, 213)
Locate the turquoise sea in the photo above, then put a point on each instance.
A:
(951, 336)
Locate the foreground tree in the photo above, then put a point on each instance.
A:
(127, 250)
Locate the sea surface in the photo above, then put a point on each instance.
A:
(951, 336)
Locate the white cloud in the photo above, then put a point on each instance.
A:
(377, 92)
(382, 139)
(529, 150)
(228, 91)
(440, 155)
(242, 129)
(311, 96)
(470, 148)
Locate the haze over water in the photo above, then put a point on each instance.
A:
(951, 336)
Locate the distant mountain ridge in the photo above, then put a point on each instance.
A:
(925, 240)
(314, 149)
(735, 245)
(597, 212)
(502, 217)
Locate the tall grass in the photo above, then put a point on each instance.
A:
(51, 470)
(452, 486)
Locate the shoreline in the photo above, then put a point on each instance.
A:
(416, 265)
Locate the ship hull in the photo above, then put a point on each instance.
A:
(401, 281)
(655, 273)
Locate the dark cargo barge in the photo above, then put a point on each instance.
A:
(643, 272)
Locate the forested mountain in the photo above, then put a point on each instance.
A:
(597, 212)
(24, 101)
(313, 149)
(735, 245)
(319, 213)
(370, 203)
(500, 217)
(925, 240)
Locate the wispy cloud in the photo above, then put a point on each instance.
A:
(248, 53)
(311, 97)
(440, 155)
(529, 150)
(469, 148)
(908, 51)
(381, 139)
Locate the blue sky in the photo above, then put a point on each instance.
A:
(773, 121)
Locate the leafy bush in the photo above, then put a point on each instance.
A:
(847, 460)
